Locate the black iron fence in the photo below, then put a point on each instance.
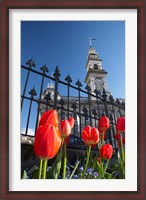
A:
(86, 107)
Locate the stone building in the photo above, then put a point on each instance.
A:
(86, 109)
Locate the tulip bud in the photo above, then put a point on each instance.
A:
(106, 151)
(65, 128)
(120, 126)
(103, 123)
(90, 135)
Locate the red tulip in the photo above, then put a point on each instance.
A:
(117, 136)
(47, 141)
(120, 126)
(66, 126)
(71, 121)
(90, 135)
(106, 151)
(49, 117)
(103, 123)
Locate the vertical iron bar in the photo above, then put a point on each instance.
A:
(85, 120)
(33, 93)
(97, 101)
(31, 64)
(85, 114)
(74, 115)
(95, 117)
(89, 110)
(44, 69)
(119, 110)
(56, 75)
(104, 95)
(78, 83)
(114, 113)
(28, 118)
(79, 111)
(47, 98)
(74, 106)
(56, 92)
(69, 80)
(38, 110)
(112, 131)
(68, 101)
(98, 107)
(89, 90)
(61, 114)
(26, 82)
(113, 108)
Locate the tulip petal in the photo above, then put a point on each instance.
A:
(65, 128)
(95, 134)
(103, 123)
(90, 135)
(71, 120)
(120, 126)
(49, 117)
(106, 151)
(47, 142)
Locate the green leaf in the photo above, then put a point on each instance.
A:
(73, 172)
(119, 156)
(24, 176)
(35, 174)
(31, 171)
(115, 174)
(108, 176)
(50, 173)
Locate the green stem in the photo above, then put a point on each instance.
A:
(123, 156)
(45, 169)
(102, 139)
(65, 161)
(105, 167)
(59, 156)
(122, 161)
(74, 170)
(102, 167)
(40, 169)
(87, 160)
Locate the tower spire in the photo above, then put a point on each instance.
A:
(96, 75)
(90, 41)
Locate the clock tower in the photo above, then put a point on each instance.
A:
(96, 75)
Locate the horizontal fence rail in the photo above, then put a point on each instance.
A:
(86, 107)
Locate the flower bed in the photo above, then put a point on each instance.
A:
(50, 146)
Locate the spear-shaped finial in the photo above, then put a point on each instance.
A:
(90, 41)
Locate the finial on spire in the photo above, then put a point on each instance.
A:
(90, 40)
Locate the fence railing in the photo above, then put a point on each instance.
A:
(86, 107)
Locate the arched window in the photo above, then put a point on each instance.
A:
(96, 66)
